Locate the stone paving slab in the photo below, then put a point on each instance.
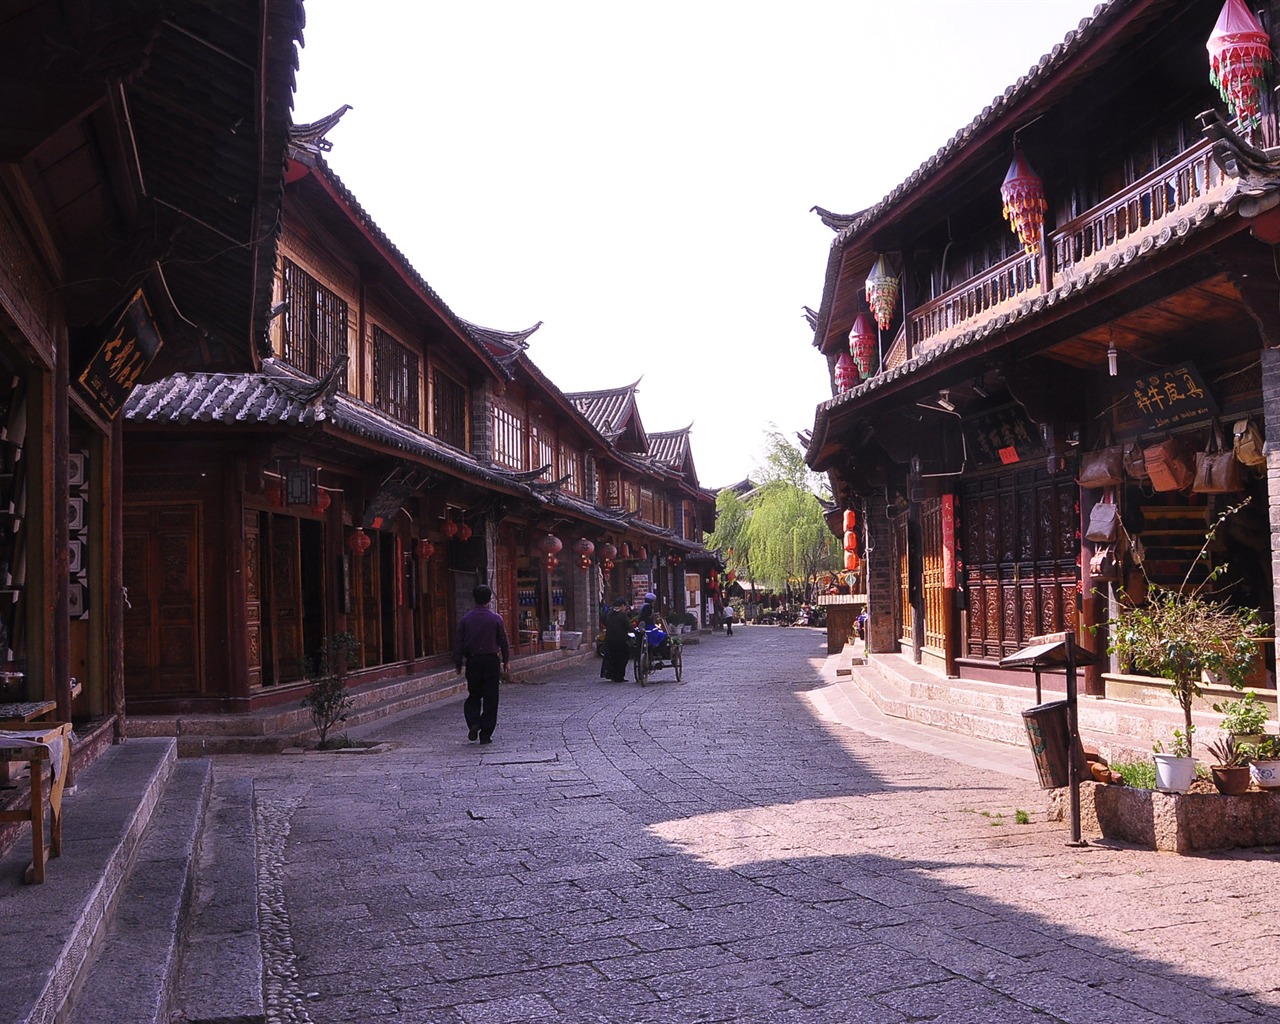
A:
(757, 843)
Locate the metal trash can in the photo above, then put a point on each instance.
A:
(1050, 741)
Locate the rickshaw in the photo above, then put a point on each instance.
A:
(655, 650)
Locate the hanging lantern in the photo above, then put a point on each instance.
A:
(550, 544)
(846, 373)
(584, 562)
(321, 505)
(608, 552)
(425, 549)
(862, 344)
(464, 532)
(882, 292)
(606, 564)
(584, 547)
(851, 541)
(850, 519)
(552, 562)
(1024, 203)
(644, 553)
(273, 491)
(359, 542)
(674, 559)
(1239, 59)
(626, 551)
(450, 528)
(852, 562)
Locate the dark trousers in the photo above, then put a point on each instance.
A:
(484, 674)
(616, 657)
(728, 624)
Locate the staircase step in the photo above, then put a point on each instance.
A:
(221, 977)
(132, 976)
(50, 929)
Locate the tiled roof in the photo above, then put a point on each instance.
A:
(607, 410)
(670, 447)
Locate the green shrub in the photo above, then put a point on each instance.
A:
(328, 699)
(1139, 774)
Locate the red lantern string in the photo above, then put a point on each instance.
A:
(1024, 203)
(850, 519)
(1239, 60)
(851, 542)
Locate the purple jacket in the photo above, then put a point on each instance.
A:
(481, 631)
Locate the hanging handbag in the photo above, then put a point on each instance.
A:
(1248, 443)
(1103, 467)
(1168, 465)
(1134, 463)
(1217, 469)
(1104, 520)
(1104, 565)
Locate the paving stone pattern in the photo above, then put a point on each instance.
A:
(724, 849)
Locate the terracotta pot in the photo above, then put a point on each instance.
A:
(1232, 781)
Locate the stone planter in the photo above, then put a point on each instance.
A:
(1175, 822)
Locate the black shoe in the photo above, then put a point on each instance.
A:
(472, 733)
(486, 739)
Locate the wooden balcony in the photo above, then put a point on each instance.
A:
(1143, 209)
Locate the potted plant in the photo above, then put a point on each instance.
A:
(1264, 762)
(1182, 633)
(1245, 719)
(1175, 769)
(1229, 766)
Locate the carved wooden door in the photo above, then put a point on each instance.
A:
(1019, 535)
(284, 598)
(162, 655)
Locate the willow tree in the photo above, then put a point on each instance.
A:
(733, 513)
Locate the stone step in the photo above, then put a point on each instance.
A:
(133, 975)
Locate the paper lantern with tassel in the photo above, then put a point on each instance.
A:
(425, 549)
(608, 551)
(1024, 203)
(852, 562)
(1239, 60)
(846, 373)
(584, 547)
(862, 343)
(464, 532)
(359, 542)
(882, 292)
(450, 528)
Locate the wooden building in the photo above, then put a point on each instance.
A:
(974, 367)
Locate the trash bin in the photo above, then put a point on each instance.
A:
(1050, 740)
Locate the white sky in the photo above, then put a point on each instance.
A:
(638, 174)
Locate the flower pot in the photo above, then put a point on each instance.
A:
(1232, 781)
(1174, 774)
(1265, 773)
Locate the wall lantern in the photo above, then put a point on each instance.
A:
(862, 343)
(464, 532)
(850, 519)
(425, 549)
(322, 502)
(608, 552)
(300, 485)
(359, 542)
(882, 292)
(1239, 58)
(846, 373)
(1024, 203)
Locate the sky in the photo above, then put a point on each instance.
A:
(638, 175)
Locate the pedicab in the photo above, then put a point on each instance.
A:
(655, 650)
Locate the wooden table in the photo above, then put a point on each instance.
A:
(42, 746)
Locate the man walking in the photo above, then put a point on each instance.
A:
(728, 618)
(617, 642)
(482, 643)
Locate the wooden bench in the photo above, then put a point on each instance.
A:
(43, 747)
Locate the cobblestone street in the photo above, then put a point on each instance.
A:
(723, 850)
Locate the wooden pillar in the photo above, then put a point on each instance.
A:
(59, 532)
(113, 547)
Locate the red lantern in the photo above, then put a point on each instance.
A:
(608, 552)
(850, 519)
(674, 559)
(1239, 58)
(626, 551)
(321, 505)
(425, 549)
(550, 545)
(273, 490)
(606, 564)
(862, 343)
(450, 528)
(1024, 203)
(644, 553)
(852, 562)
(464, 532)
(584, 562)
(882, 292)
(552, 562)
(584, 548)
(846, 373)
(851, 541)
(731, 575)
(359, 542)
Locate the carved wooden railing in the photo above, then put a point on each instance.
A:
(1146, 206)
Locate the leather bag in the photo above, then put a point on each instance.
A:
(1168, 465)
(1103, 467)
(1104, 520)
(1104, 565)
(1217, 469)
(1248, 443)
(1134, 463)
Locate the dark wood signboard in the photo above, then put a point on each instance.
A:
(1168, 397)
(125, 353)
(1001, 437)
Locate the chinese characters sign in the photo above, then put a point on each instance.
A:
(1171, 396)
(1001, 437)
(125, 353)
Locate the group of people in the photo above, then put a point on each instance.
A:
(618, 631)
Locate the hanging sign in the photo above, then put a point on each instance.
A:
(124, 355)
(1169, 397)
(1001, 437)
(949, 541)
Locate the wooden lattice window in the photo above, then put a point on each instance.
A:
(315, 322)
(648, 506)
(571, 470)
(542, 446)
(449, 410)
(508, 437)
(395, 378)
